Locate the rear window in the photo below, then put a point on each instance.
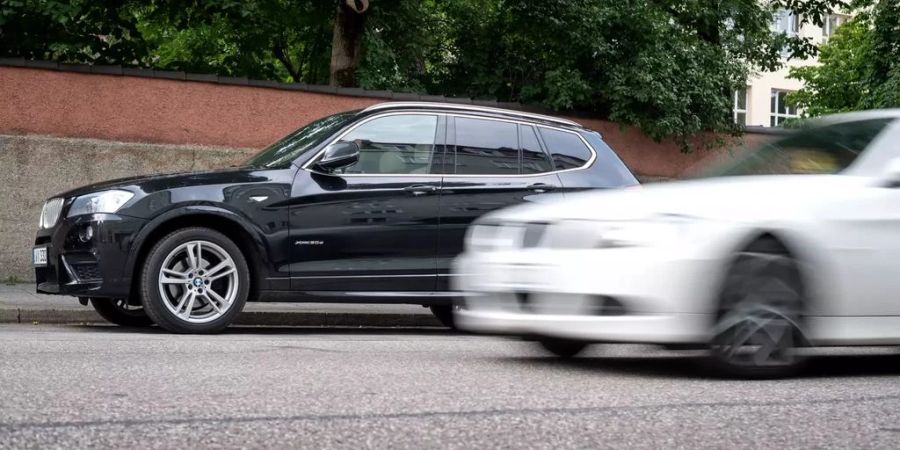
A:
(567, 149)
(486, 147)
(534, 160)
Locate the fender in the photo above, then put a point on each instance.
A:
(196, 210)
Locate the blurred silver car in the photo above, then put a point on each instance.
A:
(795, 244)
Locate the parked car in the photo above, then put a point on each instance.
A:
(795, 244)
(364, 206)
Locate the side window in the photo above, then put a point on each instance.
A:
(534, 160)
(486, 147)
(398, 144)
(567, 149)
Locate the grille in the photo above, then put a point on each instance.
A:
(86, 272)
(50, 212)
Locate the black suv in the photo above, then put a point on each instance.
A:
(364, 206)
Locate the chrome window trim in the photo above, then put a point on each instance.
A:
(462, 107)
(307, 166)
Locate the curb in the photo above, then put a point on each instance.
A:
(255, 318)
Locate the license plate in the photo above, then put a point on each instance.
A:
(39, 256)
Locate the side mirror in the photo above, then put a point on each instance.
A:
(338, 155)
(891, 174)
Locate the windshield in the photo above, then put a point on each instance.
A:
(295, 144)
(822, 150)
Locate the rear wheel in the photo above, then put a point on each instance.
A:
(564, 348)
(195, 280)
(759, 327)
(121, 311)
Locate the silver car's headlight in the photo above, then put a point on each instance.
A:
(642, 233)
(50, 213)
(492, 237)
(99, 202)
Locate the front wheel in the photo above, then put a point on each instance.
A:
(759, 330)
(121, 311)
(195, 280)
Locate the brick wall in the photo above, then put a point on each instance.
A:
(168, 107)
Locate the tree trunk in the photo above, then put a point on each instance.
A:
(346, 45)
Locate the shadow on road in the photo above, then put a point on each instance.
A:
(276, 330)
(696, 367)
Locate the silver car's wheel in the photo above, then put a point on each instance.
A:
(198, 281)
(759, 328)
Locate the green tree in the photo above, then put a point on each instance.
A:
(859, 67)
(666, 66)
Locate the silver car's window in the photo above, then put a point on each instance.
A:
(821, 150)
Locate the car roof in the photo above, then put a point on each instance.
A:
(456, 107)
(855, 116)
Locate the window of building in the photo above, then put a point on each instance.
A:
(486, 147)
(779, 108)
(567, 149)
(832, 23)
(397, 144)
(785, 21)
(740, 107)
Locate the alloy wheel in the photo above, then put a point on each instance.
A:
(198, 281)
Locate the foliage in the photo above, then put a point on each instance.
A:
(859, 66)
(666, 66)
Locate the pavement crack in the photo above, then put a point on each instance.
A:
(433, 414)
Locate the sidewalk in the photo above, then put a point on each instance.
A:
(20, 304)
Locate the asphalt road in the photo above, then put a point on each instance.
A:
(99, 386)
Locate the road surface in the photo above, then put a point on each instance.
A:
(102, 386)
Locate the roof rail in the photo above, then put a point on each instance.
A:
(461, 107)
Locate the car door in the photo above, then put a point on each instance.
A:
(491, 164)
(859, 227)
(372, 226)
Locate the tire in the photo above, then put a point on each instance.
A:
(121, 312)
(758, 327)
(444, 314)
(194, 280)
(563, 348)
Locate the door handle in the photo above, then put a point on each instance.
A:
(420, 189)
(541, 187)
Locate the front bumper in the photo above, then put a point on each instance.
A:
(87, 268)
(656, 297)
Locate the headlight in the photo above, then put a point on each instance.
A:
(50, 213)
(654, 230)
(99, 202)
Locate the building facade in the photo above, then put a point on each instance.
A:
(763, 102)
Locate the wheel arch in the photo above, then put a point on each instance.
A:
(248, 240)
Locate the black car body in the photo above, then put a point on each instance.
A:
(383, 229)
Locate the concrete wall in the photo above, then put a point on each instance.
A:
(33, 168)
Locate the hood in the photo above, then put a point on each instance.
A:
(153, 183)
(727, 198)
